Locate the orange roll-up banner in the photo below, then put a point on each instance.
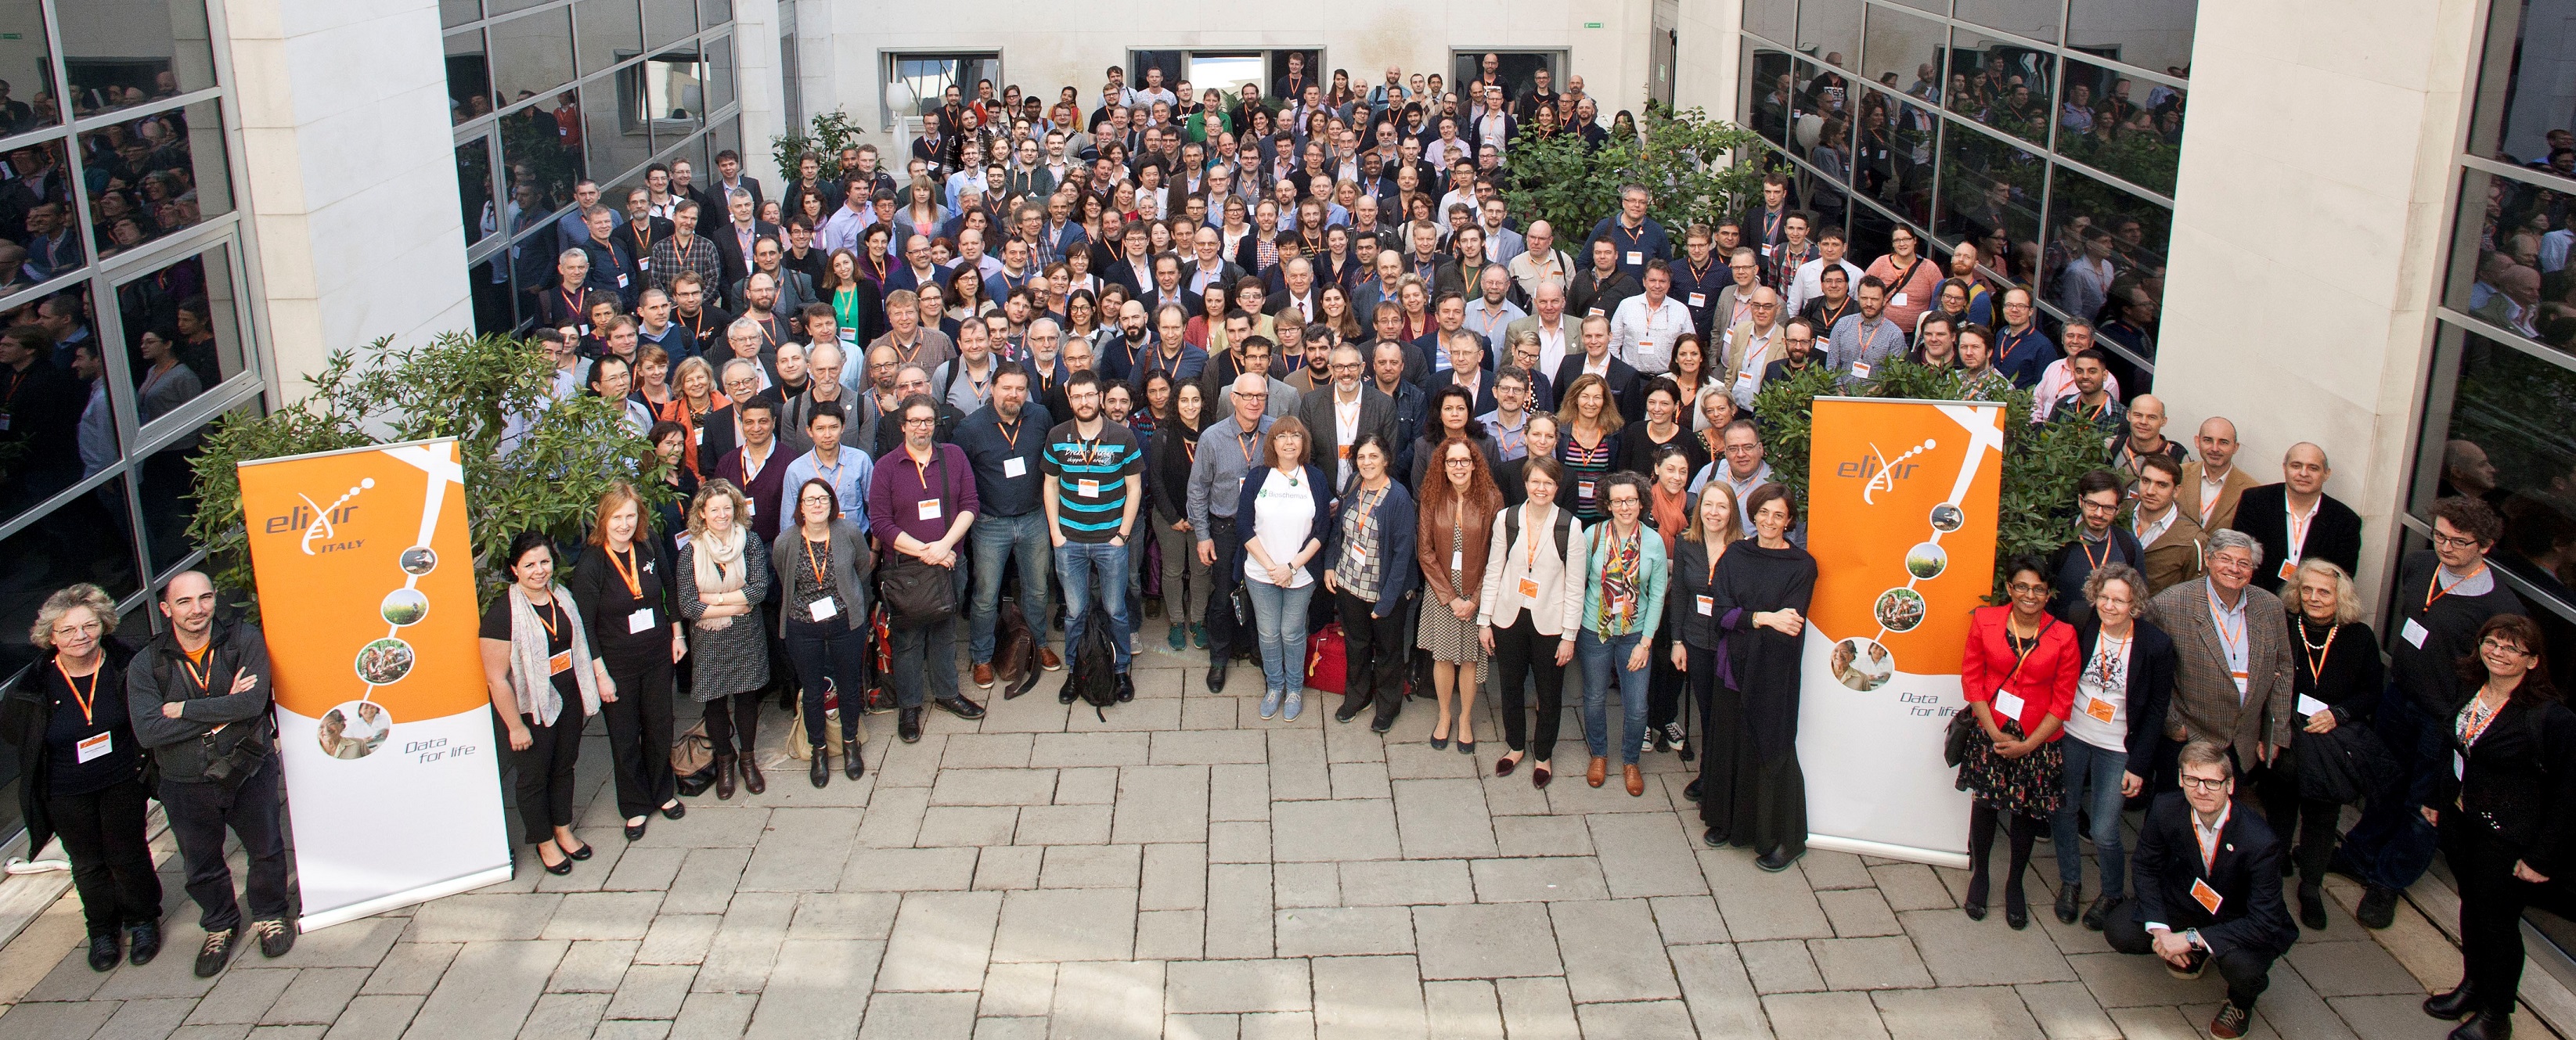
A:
(1901, 507)
(366, 593)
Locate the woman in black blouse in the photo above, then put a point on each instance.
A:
(1691, 604)
(2502, 808)
(546, 681)
(1168, 459)
(2337, 663)
(81, 773)
(625, 601)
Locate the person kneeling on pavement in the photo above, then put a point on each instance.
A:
(2208, 889)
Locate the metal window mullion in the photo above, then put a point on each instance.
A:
(35, 138)
(101, 121)
(169, 248)
(2523, 344)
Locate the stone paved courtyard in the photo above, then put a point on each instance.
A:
(1186, 870)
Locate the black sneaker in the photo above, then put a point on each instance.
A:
(1126, 688)
(276, 936)
(1674, 736)
(2312, 908)
(1349, 710)
(2100, 911)
(2378, 908)
(142, 942)
(2231, 1021)
(1381, 723)
(217, 952)
(103, 952)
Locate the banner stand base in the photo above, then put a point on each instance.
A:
(423, 894)
(1882, 850)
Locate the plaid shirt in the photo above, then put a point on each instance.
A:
(669, 263)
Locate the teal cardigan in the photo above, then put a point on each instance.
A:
(1659, 573)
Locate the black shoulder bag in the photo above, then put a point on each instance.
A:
(915, 593)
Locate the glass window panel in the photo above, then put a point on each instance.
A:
(497, 8)
(1903, 51)
(2124, 126)
(27, 97)
(1771, 89)
(1776, 20)
(713, 13)
(452, 13)
(926, 77)
(156, 175)
(1518, 69)
(667, 93)
(1990, 197)
(181, 334)
(1820, 114)
(720, 74)
(2509, 263)
(36, 213)
(1932, 6)
(1227, 72)
(610, 31)
(2148, 35)
(669, 21)
(2506, 441)
(475, 191)
(162, 485)
(1829, 30)
(613, 139)
(535, 152)
(469, 76)
(121, 53)
(490, 280)
(2105, 260)
(2000, 84)
(60, 426)
(1892, 153)
(2524, 93)
(87, 539)
(2039, 20)
(725, 137)
(532, 56)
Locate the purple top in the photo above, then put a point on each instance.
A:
(899, 485)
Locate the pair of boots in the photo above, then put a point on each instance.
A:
(727, 766)
(851, 762)
(2463, 1001)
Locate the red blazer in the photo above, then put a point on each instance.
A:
(2046, 681)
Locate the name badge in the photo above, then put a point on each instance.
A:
(1583, 488)
(1860, 369)
(95, 747)
(1897, 300)
(1013, 468)
(1636, 258)
(1345, 452)
(1698, 300)
(1087, 488)
(849, 335)
(751, 507)
(1707, 605)
(560, 663)
(1594, 312)
(642, 263)
(2007, 704)
(2207, 897)
(1457, 559)
(2288, 567)
(2100, 709)
(2459, 766)
(621, 281)
(929, 508)
(823, 609)
(639, 621)
(698, 436)
(2312, 706)
(1529, 588)
(2415, 633)
(1745, 384)
(585, 329)
(2240, 683)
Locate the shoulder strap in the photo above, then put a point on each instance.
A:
(1564, 529)
(1512, 530)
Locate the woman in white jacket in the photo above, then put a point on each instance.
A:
(1530, 610)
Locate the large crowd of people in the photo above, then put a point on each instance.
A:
(1223, 364)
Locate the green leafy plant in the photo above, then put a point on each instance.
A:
(1688, 160)
(549, 479)
(2041, 461)
(826, 135)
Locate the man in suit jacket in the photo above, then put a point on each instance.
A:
(2296, 520)
(1209, 266)
(1627, 388)
(2214, 471)
(1370, 411)
(2233, 665)
(2209, 889)
(735, 239)
(730, 178)
(1560, 335)
(1302, 301)
(2176, 547)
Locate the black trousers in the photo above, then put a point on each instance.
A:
(2248, 973)
(2315, 819)
(639, 722)
(2491, 905)
(1664, 683)
(103, 835)
(1372, 654)
(199, 812)
(733, 722)
(1522, 656)
(1223, 635)
(545, 772)
(829, 655)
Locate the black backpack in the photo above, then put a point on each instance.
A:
(1564, 524)
(1095, 662)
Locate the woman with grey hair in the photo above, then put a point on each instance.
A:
(2336, 678)
(81, 771)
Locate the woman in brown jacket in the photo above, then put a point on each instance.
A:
(1458, 508)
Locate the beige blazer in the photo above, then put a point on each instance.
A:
(1558, 608)
(2224, 515)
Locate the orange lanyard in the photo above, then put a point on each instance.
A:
(86, 702)
(2209, 845)
(2317, 654)
(1191, 445)
(2218, 620)
(2476, 725)
(815, 565)
(549, 618)
(626, 569)
(1010, 434)
(2089, 559)
(572, 303)
(2299, 525)
(1246, 442)
(2439, 590)
(203, 679)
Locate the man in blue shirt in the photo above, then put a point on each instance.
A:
(1095, 484)
(1637, 237)
(846, 469)
(1005, 440)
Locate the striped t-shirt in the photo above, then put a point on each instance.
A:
(1091, 478)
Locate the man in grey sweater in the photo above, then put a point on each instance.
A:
(1226, 452)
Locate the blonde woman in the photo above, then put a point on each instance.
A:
(721, 587)
(81, 772)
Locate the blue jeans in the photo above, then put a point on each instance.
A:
(2090, 769)
(1598, 657)
(1094, 565)
(1016, 539)
(1279, 615)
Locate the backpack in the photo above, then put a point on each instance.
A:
(1564, 528)
(1015, 661)
(1095, 662)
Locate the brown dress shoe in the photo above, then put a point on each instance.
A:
(1636, 781)
(751, 778)
(984, 675)
(1048, 660)
(724, 776)
(1599, 771)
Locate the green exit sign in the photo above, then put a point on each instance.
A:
(12, 36)
(1591, 25)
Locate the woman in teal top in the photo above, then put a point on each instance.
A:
(1620, 611)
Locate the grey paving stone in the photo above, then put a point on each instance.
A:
(678, 939)
(894, 815)
(1203, 987)
(1644, 1018)
(917, 765)
(1538, 1008)
(1000, 868)
(642, 870)
(1171, 935)
(475, 917)
(1092, 866)
(1837, 1015)
(714, 1016)
(747, 943)
(52, 1021)
(1945, 1014)
(1014, 787)
(940, 941)
(1540, 835)
(356, 944)
(1341, 744)
(488, 989)
(2355, 968)
(1239, 791)
(652, 991)
(375, 1017)
(632, 1029)
(1881, 963)
(1030, 1028)
(1443, 819)
(1352, 829)
(1063, 825)
(1054, 750)
(972, 826)
(1105, 1000)
(1018, 990)
(1360, 780)
(802, 851)
(1689, 919)
(592, 967)
(811, 992)
(1239, 841)
(1485, 941)
(2165, 1023)
(984, 751)
(1086, 785)
(712, 824)
(241, 994)
(1239, 910)
(1367, 998)
(2067, 1011)
(1646, 854)
(2393, 1017)
(1826, 869)
(1175, 877)
(1537, 879)
(1407, 882)
(1344, 931)
(1462, 1009)
(1759, 905)
(151, 1019)
(1175, 747)
(1203, 1027)
(66, 973)
(603, 915)
(707, 880)
(844, 915)
(1780, 966)
(1604, 959)
(1307, 884)
(1720, 996)
(918, 1016)
(2118, 980)
(1161, 804)
(564, 1014)
(1912, 886)
(1980, 953)
(908, 870)
(2292, 1008)
(412, 968)
(1858, 912)
(1069, 924)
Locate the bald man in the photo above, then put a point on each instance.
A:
(2212, 484)
(1751, 346)
(2296, 520)
(2145, 422)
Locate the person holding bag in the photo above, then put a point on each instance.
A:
(2019, 676)
(924, 496)
(1371, 546)
(539, 659)
(1531, 610)
(721, 586)
(824, 564)
(622, 596)
(2118, 717)
(2336, 679)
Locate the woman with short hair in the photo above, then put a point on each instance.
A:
(80, 771)
(541, 662)
(2118, 719)
(1531, 612)
(823, 562)
(1282, 517)
(1374, 567)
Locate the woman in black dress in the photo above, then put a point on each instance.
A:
(1752, 791)
(2337, 664)
(621, 590)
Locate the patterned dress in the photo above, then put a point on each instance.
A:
(2025, 786)
(1441, 630)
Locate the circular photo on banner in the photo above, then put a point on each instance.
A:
(1899, 610)
(1926, 560)
(404, 607)
(419, 559)
(1862, 664)
(354, 729)
(1947, 518)
(384, 661)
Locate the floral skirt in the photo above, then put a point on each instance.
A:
(2027, 786)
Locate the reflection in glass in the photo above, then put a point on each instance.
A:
(89, 538)
(469, 77)
(452, 13)
(2029, 19)
(2000, 84)
(2150, 36)
(712, 13)
(474, 188)
(155, 175)
(614, 141)
(610, 31)
(123, 53)
(162, 488)
(1775, 20)
(38, 218)
(2510, 256)
(669, 21)
(2523, 98)
(191, 306)
(2105, 261)
(1829, 30)
(1990, 197)
(2508, 444)
(532, 56)
(535, 151)
(2123, 126)
(1771, 92)
(1892, 153)
(27, 98)
(1903, 52)
(720, 73)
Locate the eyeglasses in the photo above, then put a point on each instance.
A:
(2453, 542)
(921, 420)
(2203, 783)
(2024, 588)
(93, 628)
(2490, 643)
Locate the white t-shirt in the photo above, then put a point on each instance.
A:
(2101, 716)
(1283, 518)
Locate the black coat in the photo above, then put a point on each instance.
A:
(2151, 680)
(2518, 781)
(2246, 874)
(1763, 664)
(2335, 534)
(28, 710)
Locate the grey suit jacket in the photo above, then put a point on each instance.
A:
(2205, 704)
(1377, 415)
(1569, 324)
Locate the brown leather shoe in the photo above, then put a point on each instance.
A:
(751, 778)
(724, 777)
(1599, 771)
(1636, 781)
(984, 675)
(1048, 660)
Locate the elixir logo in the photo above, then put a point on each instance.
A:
(1882, 474)
(317, 521)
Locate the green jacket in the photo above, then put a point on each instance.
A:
(1658, 574)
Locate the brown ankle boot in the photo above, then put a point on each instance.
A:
(751, 778)
(724, 776)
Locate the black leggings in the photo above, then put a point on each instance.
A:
(1521, 652)
(1372, 654)
(2491, 905)
(733, 722)
(1664, 685)
(1982, 821)
(829, 657)
(2315, 819)
(102, 834)
(546, 772)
